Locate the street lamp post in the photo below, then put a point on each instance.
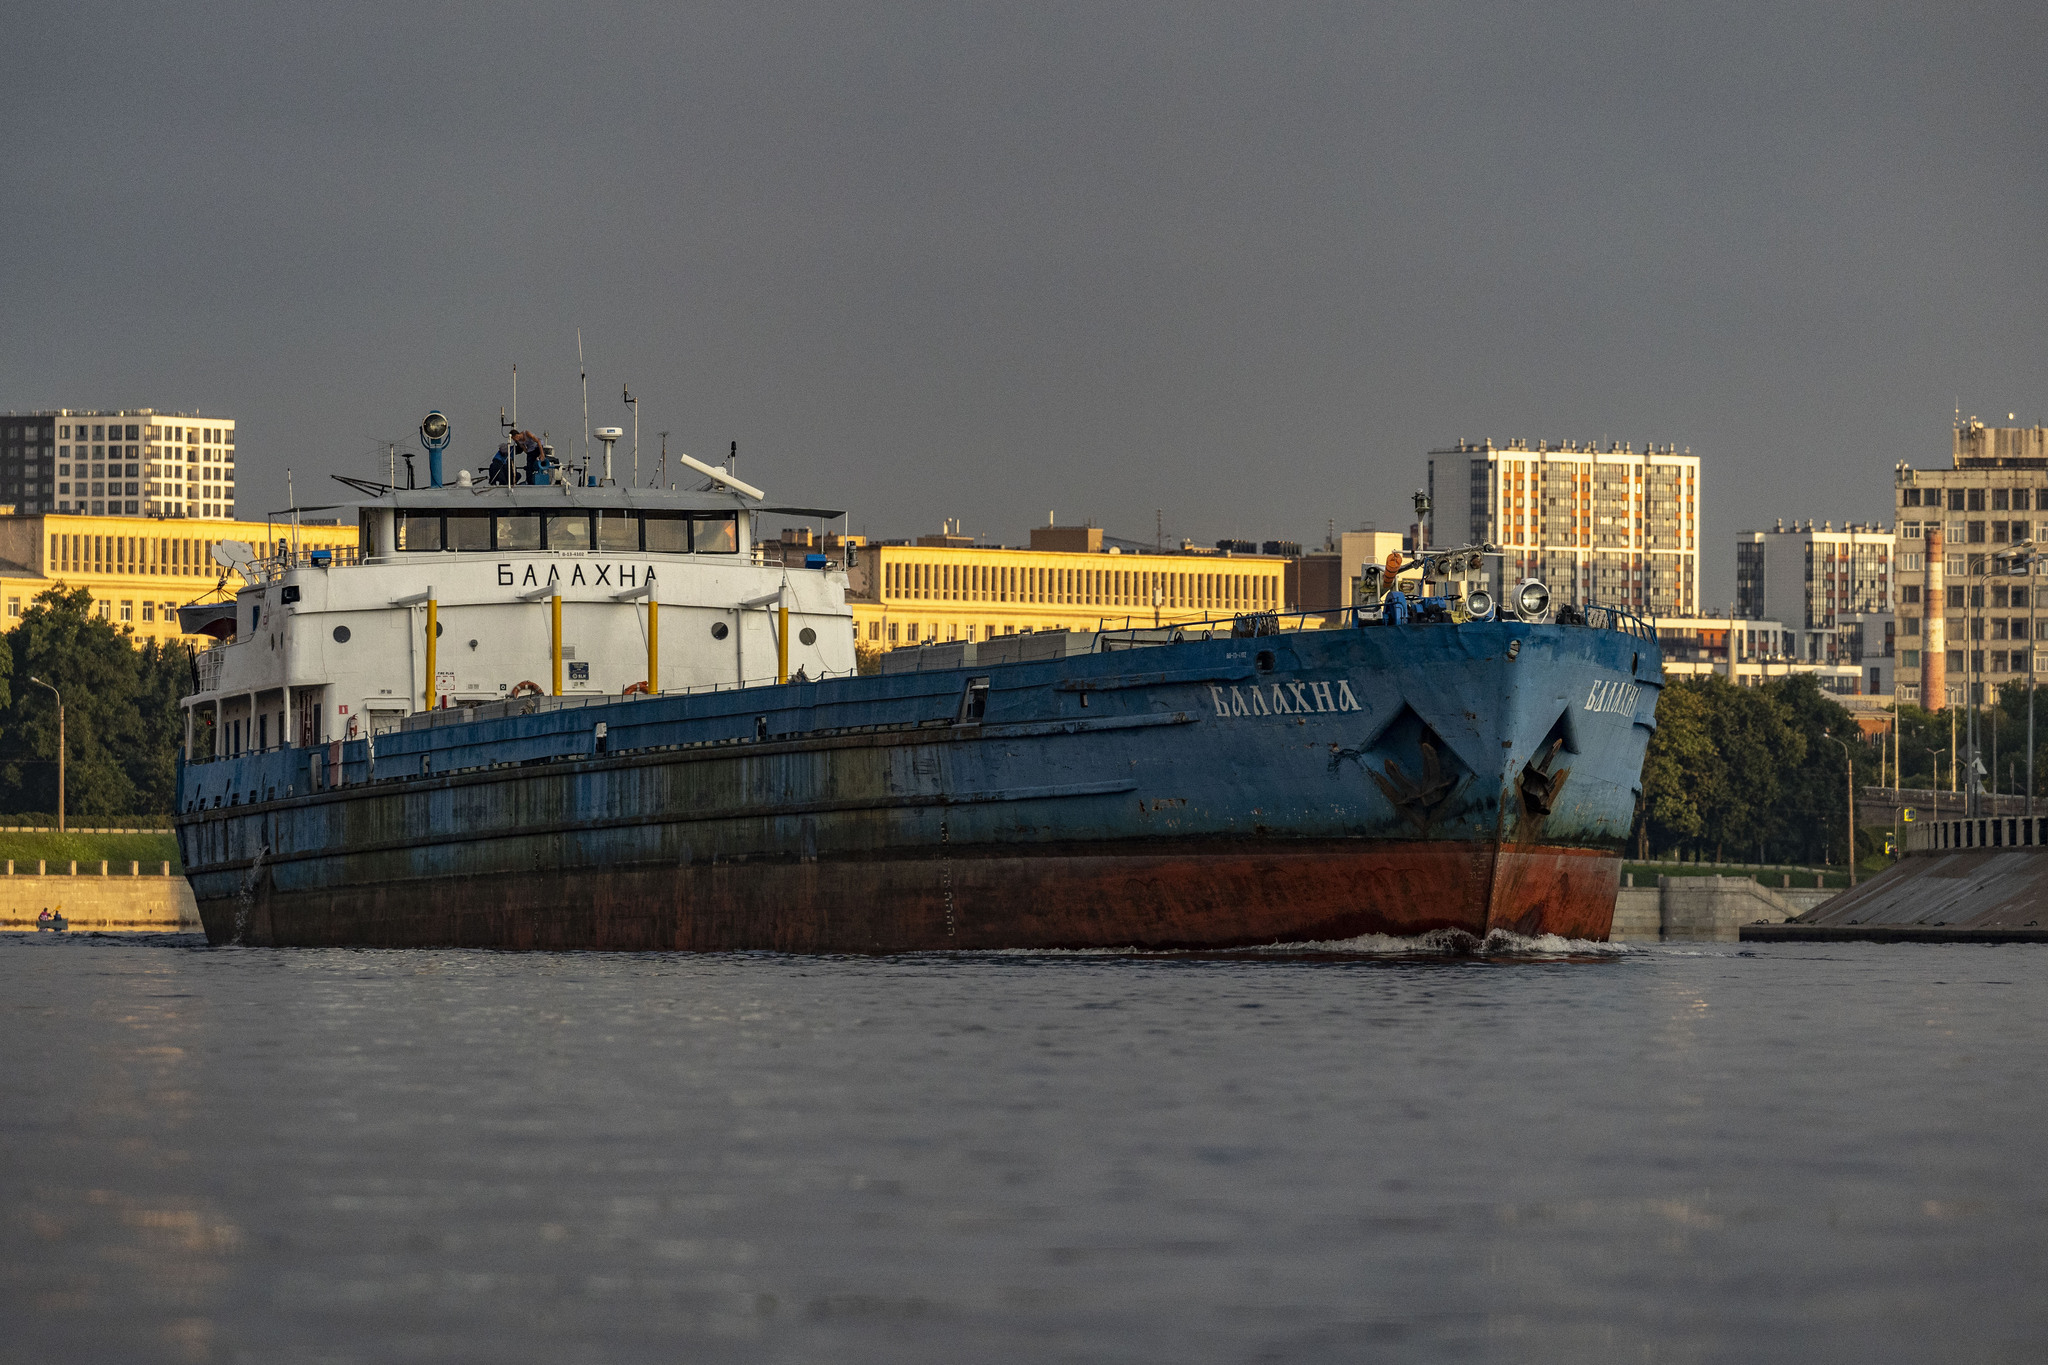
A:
(1850, 764)
(60, 750)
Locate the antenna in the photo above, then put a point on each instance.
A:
(606, 436)
(636, 431)
(661, 470)
(515, 395)
(732, 461)
(584, 375)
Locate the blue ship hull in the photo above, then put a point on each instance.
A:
(1283, 788)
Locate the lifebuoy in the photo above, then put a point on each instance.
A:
(635, 689)
(528, 688)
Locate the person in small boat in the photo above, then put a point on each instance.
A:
(43, 920)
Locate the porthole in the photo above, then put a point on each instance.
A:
(718, 630)
(807, 636)
(1265, 661)
(439, 630)
(341, 635)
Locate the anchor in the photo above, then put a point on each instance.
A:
(1421, 802)
(1540, 786)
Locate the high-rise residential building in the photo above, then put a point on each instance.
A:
(1970, 619)
(1616, 527)
(133, 463)
(1813, 579)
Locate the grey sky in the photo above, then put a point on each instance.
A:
(1242, 263)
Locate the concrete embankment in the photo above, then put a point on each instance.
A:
(92, 899)
(1704, 909)
(1996, 894)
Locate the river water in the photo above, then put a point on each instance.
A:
(1705, 1153)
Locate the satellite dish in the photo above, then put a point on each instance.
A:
(236, 555)
(609, 433)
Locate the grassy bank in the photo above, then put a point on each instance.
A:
(57, 850)
(1646, 874)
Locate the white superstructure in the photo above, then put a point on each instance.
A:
(472, 594)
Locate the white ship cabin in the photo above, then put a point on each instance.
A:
(466, 595)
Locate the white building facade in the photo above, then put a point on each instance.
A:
(1614, 528)
(1815, 579)
(132, 463)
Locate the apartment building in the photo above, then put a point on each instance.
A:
(132, 463)
(1970, 617)
(1616, 527)
(1814, 578)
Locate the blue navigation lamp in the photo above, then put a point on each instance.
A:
(434, 434)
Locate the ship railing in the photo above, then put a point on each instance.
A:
(206, 664)
(794, 557)
(308, 557)
(462, 712)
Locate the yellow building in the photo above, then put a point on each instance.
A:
(139, 571)
(910, 594)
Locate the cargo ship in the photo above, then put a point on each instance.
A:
(547, 711)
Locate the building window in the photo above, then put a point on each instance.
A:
(892, 632)
(149, 611)
(128, 611)
(14, 606)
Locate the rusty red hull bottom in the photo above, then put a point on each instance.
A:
(1206, 897)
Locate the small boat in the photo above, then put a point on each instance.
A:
(52, 924)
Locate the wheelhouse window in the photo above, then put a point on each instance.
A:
(470, 531)
(518, 533)
(419, 531)
(618, 531)
(667, 533)
(716, 535)
(569, 531)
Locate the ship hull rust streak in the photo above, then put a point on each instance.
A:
(1167, 897)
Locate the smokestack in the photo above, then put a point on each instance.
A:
(1933, 629)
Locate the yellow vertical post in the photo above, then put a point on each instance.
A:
(782, 639)
(555, 639)
(433, 632)
(653, 646)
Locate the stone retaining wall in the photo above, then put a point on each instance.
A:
(1703, 909)
(95, 902)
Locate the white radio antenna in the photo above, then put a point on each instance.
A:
(584, 375)
(515, 395)
(636, 431)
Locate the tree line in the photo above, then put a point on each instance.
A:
(122, 725)
(1752, 774)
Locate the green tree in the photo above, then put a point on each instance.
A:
(120, 709)
(1754, 739)
(1810, 817)
(1680, 770)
